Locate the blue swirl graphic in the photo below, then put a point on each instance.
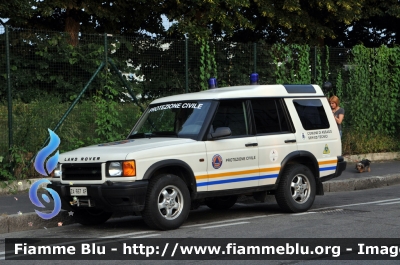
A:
(45, 152)
(35, 200)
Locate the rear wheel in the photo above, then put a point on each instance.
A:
(167, 202)
(296, 190)
(221, 203)
(90, 216)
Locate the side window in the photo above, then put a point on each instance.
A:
(312, 114)
(269, 116)
(232, 114)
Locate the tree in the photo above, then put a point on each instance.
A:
(313, 22)
(202, 18)
(290, 21)
(378, 25)
(302, 22)
(88, 16)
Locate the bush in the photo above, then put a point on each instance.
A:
(354, 143)
(30, 124)
(31, 121)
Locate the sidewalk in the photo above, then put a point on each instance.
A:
(17, 213)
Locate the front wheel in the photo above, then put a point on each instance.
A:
(167, 202)
(296, 190)
(91, 216)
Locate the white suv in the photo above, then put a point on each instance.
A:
(208, 147)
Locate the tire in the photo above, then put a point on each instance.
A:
(221, 203)
(167, 202)
(296, 189)
(91, 216)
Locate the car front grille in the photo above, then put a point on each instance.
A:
(75, 171)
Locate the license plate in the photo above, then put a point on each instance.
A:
(78, 191)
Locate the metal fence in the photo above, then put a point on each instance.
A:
(43, 73)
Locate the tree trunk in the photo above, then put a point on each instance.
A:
(72, 28)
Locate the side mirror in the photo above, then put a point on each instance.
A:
(220, 132)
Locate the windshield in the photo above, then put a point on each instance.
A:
(172, 119)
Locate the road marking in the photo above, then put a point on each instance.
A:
(356, 204)
(145, 236)
(129, 234)
(303, 213)
(231, 220)
(215, 226)
(387, 203)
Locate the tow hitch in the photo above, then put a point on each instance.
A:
(82, 202)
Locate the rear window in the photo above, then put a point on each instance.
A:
(312, 114)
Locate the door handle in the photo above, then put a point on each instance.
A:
(290, 141)
(252, 144)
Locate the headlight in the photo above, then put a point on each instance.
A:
(115, 169)
(57, 171)
(122, 169)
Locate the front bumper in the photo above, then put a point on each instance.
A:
(340, 167)
(109, 196)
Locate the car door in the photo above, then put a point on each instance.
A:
(232, 162)
(275, 137)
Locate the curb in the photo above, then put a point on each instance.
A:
(373, 157)
(361, 184)
(19, 186)
(31, 221)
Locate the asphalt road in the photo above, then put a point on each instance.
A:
(372, 213)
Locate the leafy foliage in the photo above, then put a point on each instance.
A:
(48, 73)
(342, 23)
(292, 64)
(208, 65)
(88, 16)
(377, 25)
(107, 115)
(374, 96)
(14, 165)
(354, 142)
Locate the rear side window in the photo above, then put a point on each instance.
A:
(269, 116)
(312, 114)
(232, 114)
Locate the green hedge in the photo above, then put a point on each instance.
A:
(32, 120)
